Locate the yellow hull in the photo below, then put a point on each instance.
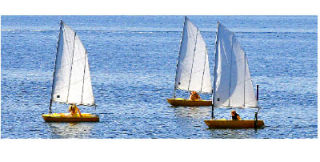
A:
(187, 102)
(66, 117)
(236, 124)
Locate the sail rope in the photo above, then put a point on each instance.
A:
(194, 51)
(74, 40)
(230, 70)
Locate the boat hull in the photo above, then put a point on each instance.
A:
(66, 117)
(187, 102)
(234, 124)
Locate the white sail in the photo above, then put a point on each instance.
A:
(233, 85)
(72, 82)
(193, 73)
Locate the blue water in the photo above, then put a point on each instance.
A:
(133, 60)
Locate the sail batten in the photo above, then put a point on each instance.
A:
(204, 70)
(193, 73)
(72, 82)
(232, 82)
(84, 72)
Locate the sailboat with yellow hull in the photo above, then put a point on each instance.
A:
(193, 72)
(71, 78)
(232, 87)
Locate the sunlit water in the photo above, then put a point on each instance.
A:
(132, 62)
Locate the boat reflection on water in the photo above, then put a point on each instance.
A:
(192, 112)
(232, 133)
(70, 130)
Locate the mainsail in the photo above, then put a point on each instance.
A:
(72, 82)
(232, 82)
(193, 73)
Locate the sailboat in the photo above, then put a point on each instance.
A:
(192, 72)
(71, 78)
(232, 87)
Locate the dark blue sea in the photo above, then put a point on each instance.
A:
(133, 61)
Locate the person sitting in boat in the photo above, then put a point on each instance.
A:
(194, 96)
(74, 110)
(235, 115)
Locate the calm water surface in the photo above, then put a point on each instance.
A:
(133, 60)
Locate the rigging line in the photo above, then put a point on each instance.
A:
(215, 65)
(84, 74)
(55, 66)
(178, 61)
(204, 67)
(194, 51)
(244, 80)
(74, 40)
(230, 69)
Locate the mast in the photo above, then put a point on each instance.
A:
(55, 64)
(215, 72)
(256, 113)
(178, 61)
(257, 92)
